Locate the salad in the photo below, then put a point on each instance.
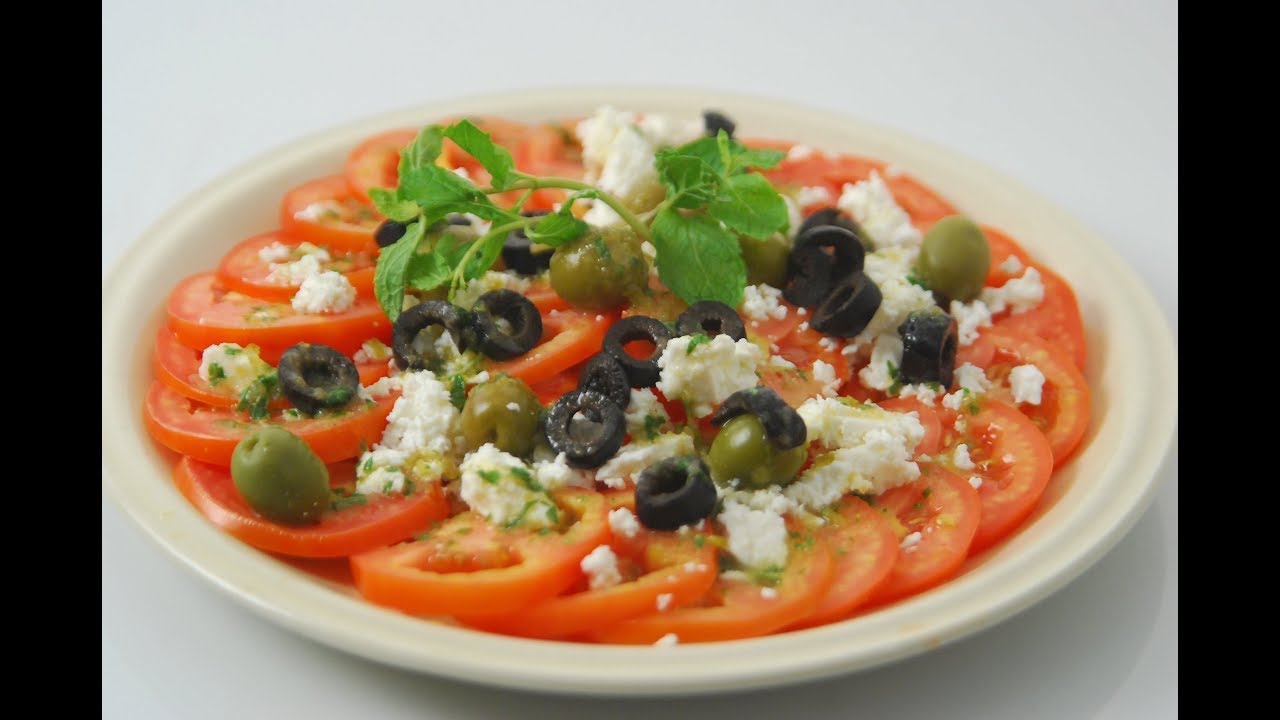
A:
(628, 378)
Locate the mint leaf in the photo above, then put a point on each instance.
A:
(556, 229)
(458, 392)
(761, 159)
(428, 271)
(390, 203)
(698, 258)
(749, 204)
(423, 151)
(433, 187)
(690, 181)
(477, 143)
(393, 265)
(706, 149)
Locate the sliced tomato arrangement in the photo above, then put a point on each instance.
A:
(418, 547)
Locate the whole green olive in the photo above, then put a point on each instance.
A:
(601, 269)
(280, 476)
(503, 411)
(955, 258)
(741, 451)
(766, 259)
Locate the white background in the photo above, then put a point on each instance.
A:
(1076, 99)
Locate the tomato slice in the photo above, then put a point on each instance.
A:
(945, 510)
(1013, 460)
(802, 346)
(327, 212)
(210, 434)
(178, 366)
(550, 149)
(865, 549)
(375, 162)
(737, 607)
(1063, 412)
(242, 270)
(677, 566)
(932, 440)
(568, 338)
(466, 565)
(203, 313)
(380, 520)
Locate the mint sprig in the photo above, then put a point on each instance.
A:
(712, 197)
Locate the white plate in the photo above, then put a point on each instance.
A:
(1088, 507)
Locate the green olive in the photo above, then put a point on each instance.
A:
(601, 269)
(280, 476)
(766, 259)
(741, 451)
(955, 258)
(503, 411)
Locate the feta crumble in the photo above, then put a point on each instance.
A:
(881, 371)
(970, 317)
(645, 414)
(491, 280)
(668, 640)
(871, 203)
(232, 367)
(1027, 384)
(274, 253)
(762, 303)
(327, 292)
(813, 195)
(372, 350)
(601, 568)
(825, 373)
(623, 522)
(972, 378)
(975, 482)
(706, 374)
(1021, 294)
(664, 601)
(1011, 265)
(634, 457)
(499, 486)
(757, 538)
(960, 457)
(910, 542)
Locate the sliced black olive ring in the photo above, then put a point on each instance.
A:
(388, 233)
(641, 372)
(929, 342)
(414, 349)
(523, 328)
(714, 121)
(315, 377)
(783, 426)
(518, 253)
(849, 307)
(822, 258)
(711, 317)
(586, 444)
(839, 218)
(604, 375)
(674, 492)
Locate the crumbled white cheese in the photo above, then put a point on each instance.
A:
(668, 640)
(960, 457)
(618, 156)
(871, 451)
(975, 482)
(557, 473)
(274, 253)
(499, 486)
(1011, 265)
(423, 418)
(768, 593)
(708, 373)
(634, 457)
(812, 195)
(889, 269)
(601, 568)
(910, 542)
(770, 499)
(757, 538)
(644, 414)
(825, 373)
(664, 601)
(462, 173)
(385, 480)
(972, 378)
(382, 387)
(329, 291)
(780, 362)
(881, 371)
(231, 367)
(294, 273)
(926, 393)
(871, 203)
(623, 522)
(666, 131)
(1027, 384)
(372, 350)
(491, 280)
(1021, 294)
(970, 317)
(795, 217)
(799, 152)
(762, 303)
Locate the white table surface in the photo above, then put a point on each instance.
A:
(1076, 99)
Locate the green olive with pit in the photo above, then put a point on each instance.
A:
(280, 476)
(741, 451)
(955, 258)
(766, 259)
(602, 269)
(503, 411)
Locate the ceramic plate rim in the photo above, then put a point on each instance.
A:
(1087, 518)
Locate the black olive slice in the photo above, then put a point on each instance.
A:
(604, 375)
(822, 257)
(783, 426)
(929, 342)
(585, 444)
(674, 492)
(486, 334)
(315, 377)
(411, 352)
(715, 121)
(389, 232)
(641, 372)
(711, 318)
(839, 218)
(849, 307)
(518, 253)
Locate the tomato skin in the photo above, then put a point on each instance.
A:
(375, 162)
(202, 313)
(568, 338)
(518, 569)
(802, 346)
(865, 549)
(241, 270)
(1014, 461)
(380, 521)
(947, 518)
(352, 229)
(210, 434)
